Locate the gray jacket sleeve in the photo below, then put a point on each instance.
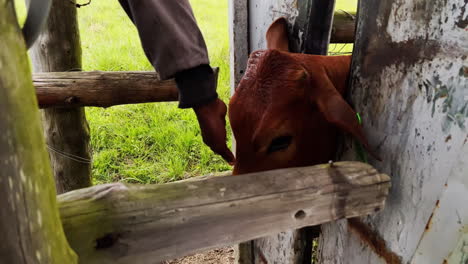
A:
(175, 47)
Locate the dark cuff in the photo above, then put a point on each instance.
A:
(197, 86)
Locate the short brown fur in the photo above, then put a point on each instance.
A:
(294, 96)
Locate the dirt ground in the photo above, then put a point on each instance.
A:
(216, 256)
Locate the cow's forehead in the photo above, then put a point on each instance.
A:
(267, 80)
(260, 88)
(265, 64)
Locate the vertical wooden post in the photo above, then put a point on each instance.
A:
(239, 54)
(30, 226)
(238, 39)
(409, 82)
(66, 130)
(319, 27)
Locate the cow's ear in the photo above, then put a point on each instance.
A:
(277, 35)
(338, 112)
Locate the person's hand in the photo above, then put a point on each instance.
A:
(211, 118)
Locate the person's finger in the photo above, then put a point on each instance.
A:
(226, 154)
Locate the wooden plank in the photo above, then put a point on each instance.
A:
(409, 83)
(30, 226)
(121, 223)
(66, 130)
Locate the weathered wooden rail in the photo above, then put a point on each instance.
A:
(120, 223)
(103, 89)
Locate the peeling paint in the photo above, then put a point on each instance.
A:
(263, 12)
(409, 79)
(453, 103)
(409, 19)
(462, 19)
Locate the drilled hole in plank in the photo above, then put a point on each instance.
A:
(107, 241)
(300, 215)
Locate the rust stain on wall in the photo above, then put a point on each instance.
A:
(429, 222)
(374, 241)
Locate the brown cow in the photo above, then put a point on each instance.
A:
(289, 107)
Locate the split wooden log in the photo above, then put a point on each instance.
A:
(120, 223)
(103, 89)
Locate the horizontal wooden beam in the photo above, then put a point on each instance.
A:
(102, 89)
(343, 29)
(121, 223)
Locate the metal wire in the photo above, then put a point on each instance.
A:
(332, 52)
(80, 5)
(70, 156)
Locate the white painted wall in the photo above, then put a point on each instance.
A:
(410, 86)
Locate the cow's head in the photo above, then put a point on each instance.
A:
(288, 107)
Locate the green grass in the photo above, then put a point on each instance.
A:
(150, 143)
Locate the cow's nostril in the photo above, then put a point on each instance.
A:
(279, 143)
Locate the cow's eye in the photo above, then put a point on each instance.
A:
(279, 143)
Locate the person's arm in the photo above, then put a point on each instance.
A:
(175, 47)
(173, 43)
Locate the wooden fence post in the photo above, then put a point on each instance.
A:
(239, 54)
(409, 82)
(30, 226)
(66, 130)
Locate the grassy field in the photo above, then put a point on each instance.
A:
(151, 143)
